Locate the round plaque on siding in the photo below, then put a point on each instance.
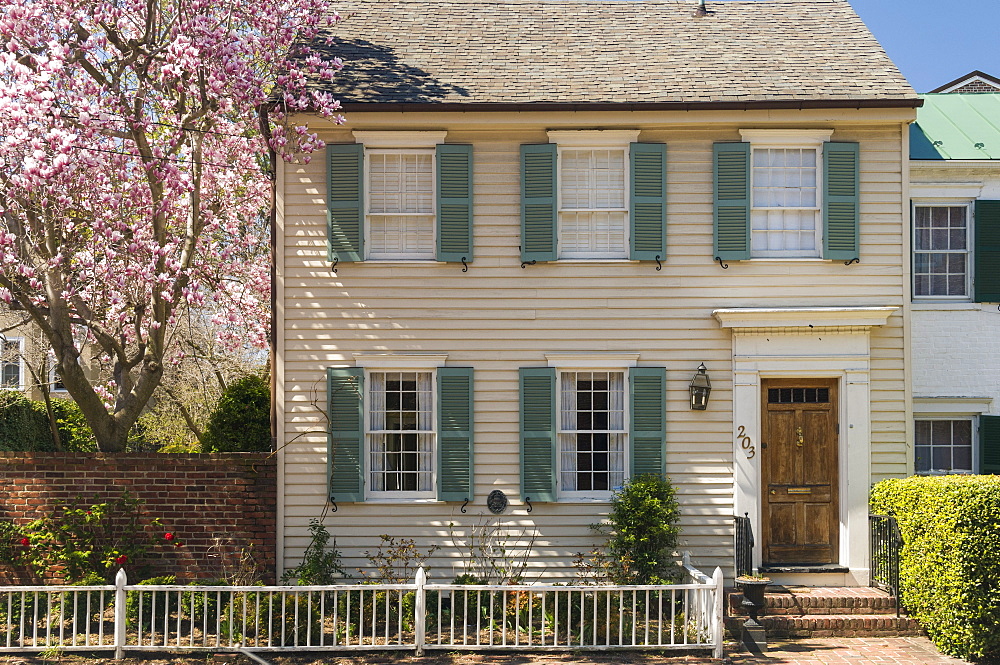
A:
(496, 502)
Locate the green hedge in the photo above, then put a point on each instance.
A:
(241, 421)
(24, 425)
(950, 564)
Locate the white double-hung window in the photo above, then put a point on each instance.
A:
(401, 434)
(786, 193)
(400, 210)
(593, 432)
(12, 363)
(941, 250)
(593, 193)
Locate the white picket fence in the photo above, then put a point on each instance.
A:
(417, 616)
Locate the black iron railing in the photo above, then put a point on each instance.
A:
(744, 545)
(885, 542)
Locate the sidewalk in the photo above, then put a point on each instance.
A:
(854, 650)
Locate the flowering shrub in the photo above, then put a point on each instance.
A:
(81, 541)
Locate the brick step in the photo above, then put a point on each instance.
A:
(779, 604)
(826, 625)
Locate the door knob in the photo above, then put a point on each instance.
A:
(774, 491)
(798, 433)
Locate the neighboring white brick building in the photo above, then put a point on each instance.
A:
(955, 338)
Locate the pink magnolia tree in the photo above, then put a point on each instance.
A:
(136, 146)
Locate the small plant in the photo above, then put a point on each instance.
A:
(83, 540)
(396, 561)
(320, 565)
(495, 553)
(642, 536)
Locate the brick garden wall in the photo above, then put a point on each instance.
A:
(217, 504)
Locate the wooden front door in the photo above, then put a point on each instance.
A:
(799, 434)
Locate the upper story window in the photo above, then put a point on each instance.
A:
(787, 194)
(941, 250)
(399, 196)
(784, 218)
(400, 210)
(593, 195)
(593, 210)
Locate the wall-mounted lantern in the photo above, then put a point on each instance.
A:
(700, 388)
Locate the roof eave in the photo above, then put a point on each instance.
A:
(794, 104)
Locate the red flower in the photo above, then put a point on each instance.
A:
(168, 536)
(25, 542)
(178, 544)
(122, 559)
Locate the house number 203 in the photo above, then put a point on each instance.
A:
(746, 443)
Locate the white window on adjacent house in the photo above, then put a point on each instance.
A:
(400, 436)
(941, 256)
(55, 381)
(593, 433)
(12, 364)
(944, 445)
(785, 203)
(593, 210)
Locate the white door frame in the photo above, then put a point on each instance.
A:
(813, 343)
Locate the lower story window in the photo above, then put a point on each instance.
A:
(401, 433)
(944, 446)
(592, 432)
(10, 364)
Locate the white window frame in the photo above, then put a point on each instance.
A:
(593, 140)
(370, 492)
(399, 362)
(20, 361)
(611, 364)
(804, 139)
(935, 407)
(53, 378)
(941, 202)
(400, 142)
(973, 419)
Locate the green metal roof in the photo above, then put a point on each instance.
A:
(957, 126)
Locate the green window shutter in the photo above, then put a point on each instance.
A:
(731, 183)
(538, 202)
(454, 433)
(986, 252)
(454, 202)
(648, 413)
(345, 201)
(345, 449)
(989, 444)
(538, 433)
(648, 205)
(841, 202)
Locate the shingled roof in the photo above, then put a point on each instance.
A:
(470, 53)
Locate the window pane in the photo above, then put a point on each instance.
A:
(940, 263)
(401, 454)
(943, 445)
(592, 436)
(401, 204)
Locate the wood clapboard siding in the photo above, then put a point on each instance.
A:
(498, 317)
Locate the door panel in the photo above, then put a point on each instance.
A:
(799, 471)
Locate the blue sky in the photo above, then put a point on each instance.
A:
(936, 41)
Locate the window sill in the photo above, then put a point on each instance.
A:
(790, 259)
(400, 500)
(582, 499)
(595, 260)
(405, 262)
(930, 305)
